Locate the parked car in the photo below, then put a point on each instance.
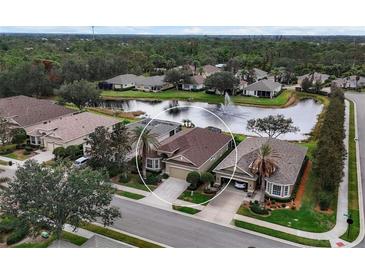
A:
(240, 185)
(80, 162)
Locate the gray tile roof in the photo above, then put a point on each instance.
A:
(98, 241)
(259, 73)
(27, 111)
(289, 161)
(137, 80)
(264, 85)
(157, 127)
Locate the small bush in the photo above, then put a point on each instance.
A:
(193, 178)
(256, 208)
(28, 148)
(18, 234)
(73, 152)
(7, 149)
(207, 177)
(293, 207)
(165, 176)
(124, 179)
(283, 205)
(256, 202)
(113, 171)
(59, 152)
(10, 163)
(153, 179)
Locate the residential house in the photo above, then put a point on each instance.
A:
(120, 82)
(152, 83)
(197, 83)
(143, 83)
(314, 77)
(263, 88)
(290, 161)
(350, 82)
(161, 130)
(23, 111)
(194, 149)
(254, 75)
(210, 70)
(67, 130)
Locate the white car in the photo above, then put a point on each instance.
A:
(80, 162)
(240, 185)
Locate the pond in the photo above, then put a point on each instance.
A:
(304, 114)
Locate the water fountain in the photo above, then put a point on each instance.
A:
(227, 102)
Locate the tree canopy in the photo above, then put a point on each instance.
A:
(222, 81)
(272, 126)
(52, 197)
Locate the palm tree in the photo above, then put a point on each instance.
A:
(264, 166)
(147, 142)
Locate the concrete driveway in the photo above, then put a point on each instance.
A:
(169, 191)
(222, 209)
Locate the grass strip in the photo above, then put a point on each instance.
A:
(185, 209)
(119, 236)
(282, 235)
(129, 195)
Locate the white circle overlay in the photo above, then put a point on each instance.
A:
(219, 192)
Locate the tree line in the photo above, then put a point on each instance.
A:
(33, 66)
(330, 152)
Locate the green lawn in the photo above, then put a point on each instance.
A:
(185, 209)
(119, 236)
(130, 195)
(136, 182)
(311, 145)
(73, 238)
(306, 218)
(353, 184)
(196, 198)
(282, 235)
(199, 96)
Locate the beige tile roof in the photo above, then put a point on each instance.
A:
(68, 128)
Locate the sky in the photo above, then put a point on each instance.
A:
(189, 30)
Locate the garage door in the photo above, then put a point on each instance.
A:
(178, 173)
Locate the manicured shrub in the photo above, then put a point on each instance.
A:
(73, 152)
(28, 148)
(10, 163)
(6, 149)
(152, 179)
(256, 208)
(165, 176)
(59, 152)
(124, 179)
(207, 177)
(193, 178)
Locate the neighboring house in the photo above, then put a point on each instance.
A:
(152, 83)
(195, 149)
(314, 77)
(263, 88)
(210, 70)
(197, 83)
(144, 83)
(290, 162)
(23, 111)
(68, 130)
(350, 82)
(256, 75)
(161, 130)
(120, 82)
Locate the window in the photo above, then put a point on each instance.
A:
(153, 163)
(268, 185)
(276, 190)
(286, 190)
(149, 163)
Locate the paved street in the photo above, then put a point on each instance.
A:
(359, 99)
(176, 230)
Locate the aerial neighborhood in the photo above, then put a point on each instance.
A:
(163, 132)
